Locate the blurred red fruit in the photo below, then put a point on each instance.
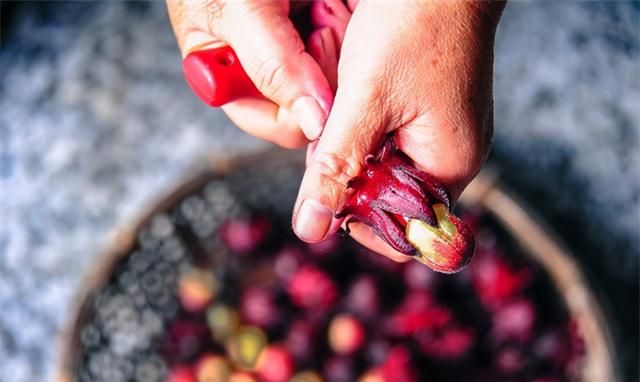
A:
(363, 297)
(185, 338)
(339, 369)
(212, 367)
(346, 334)
(397, 367)
(196, 289)
(223, 321)
(552, 346)
(181, 374)
(300, 340)
(495, 280)
(258, 307)
(312, 288)
(509, 360)
(514, 321)
(243, 235)
(287, 261)
(576, 339)
(407, 321)
(307, 376)
(377, 351)
(417, 301)
(245, 347)
(240, 376)
(447, 344)
(373, 375)
(275, 364)
(417, 276)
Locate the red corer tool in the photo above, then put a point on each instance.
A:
(217, 77)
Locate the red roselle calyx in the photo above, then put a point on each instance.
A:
(410, 210)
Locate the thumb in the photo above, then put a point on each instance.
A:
(355, 127)
(274, 57)
(268, 47)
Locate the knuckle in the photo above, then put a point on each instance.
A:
(214, 9)
(271, 76)
(333, 168)
(275, 74)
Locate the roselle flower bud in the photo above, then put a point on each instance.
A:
(445, 247)
(410, 210)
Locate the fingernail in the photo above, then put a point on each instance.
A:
(310, 116)
(312, 221)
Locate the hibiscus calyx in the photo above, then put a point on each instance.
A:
(410, 210)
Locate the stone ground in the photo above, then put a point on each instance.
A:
(96, 122)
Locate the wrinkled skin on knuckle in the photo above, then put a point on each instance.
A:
(214, 9)
(333, 169)
(274, 73)
(185, 17)
(271, 76)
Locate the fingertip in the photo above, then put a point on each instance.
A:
(265, 120)
(312, 221)
(310, 116)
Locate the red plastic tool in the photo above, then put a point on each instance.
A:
(217, 77)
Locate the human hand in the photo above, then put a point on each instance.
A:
(422, 70)
(297, 94)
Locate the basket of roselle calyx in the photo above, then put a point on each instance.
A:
(213, 286)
